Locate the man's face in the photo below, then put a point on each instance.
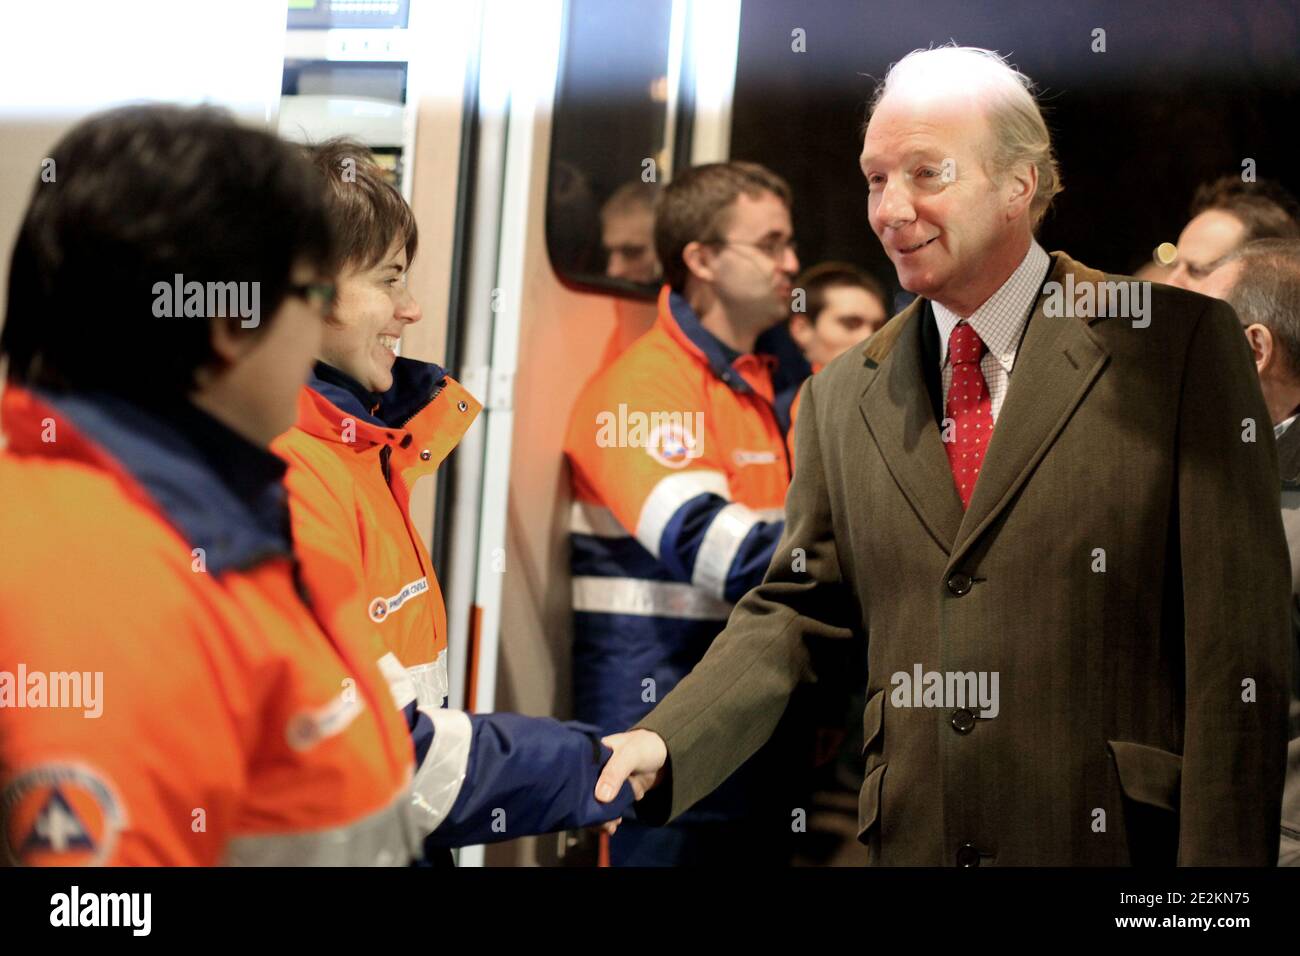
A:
(851, 314)
(752, 269)
(1205, 240)
(1220, 281)
(274, 368)
(943, 222)
(628, 238)
(373, 308)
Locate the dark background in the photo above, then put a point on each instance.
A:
(1184, 92)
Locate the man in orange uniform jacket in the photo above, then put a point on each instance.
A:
(680, 470)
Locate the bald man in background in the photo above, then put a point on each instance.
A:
(1261, 281)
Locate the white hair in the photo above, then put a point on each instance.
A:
(1019, 132)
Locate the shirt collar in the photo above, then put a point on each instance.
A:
(1001, 318)
(1287, 438)
(1282, 427)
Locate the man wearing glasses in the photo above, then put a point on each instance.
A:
(1227, 214)
(679, 469)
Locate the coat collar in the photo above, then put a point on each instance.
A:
(1056, 364)
(744, 373)
(219, 491)
(423, 416)
(415, 385)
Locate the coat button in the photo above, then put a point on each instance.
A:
(963, 721)
(968, 855)
(959, 584)
(425, 455)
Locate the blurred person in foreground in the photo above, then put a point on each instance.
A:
(165, 302)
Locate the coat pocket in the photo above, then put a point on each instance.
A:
(1150, 780)
(869, 811)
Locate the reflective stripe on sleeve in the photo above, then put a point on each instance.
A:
(430, 682)
(647, 599)
(384, 838)
(426, 684)
(438, 781)
(669, 495)
(722, 541)
(400, 684)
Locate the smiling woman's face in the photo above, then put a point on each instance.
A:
(372, 309)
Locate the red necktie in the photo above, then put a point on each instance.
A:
(969, 407)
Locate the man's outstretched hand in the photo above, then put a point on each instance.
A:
(639, 757)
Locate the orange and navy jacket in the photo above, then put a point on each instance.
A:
(679, 473)
(168, 696)
(353, 458)
(787, 404)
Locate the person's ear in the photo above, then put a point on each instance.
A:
(1022, 183)
(228, 348)
(698, 257)
(231, 342)
(1262, 347)
(801, 330)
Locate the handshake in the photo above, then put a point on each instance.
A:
(638, 758)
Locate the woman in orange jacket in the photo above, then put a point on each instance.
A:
(370, 424)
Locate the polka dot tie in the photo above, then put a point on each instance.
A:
(969, 410)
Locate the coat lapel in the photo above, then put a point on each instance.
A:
(896, 408)
(1057, 363)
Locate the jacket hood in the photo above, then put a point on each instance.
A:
(220, 492)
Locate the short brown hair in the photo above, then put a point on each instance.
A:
(1266, 209)
(819, 279)
(369, 214)
(632, 196)
(691, 208)
(1267, 292)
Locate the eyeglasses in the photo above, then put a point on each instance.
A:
(773, 248)
(322, 295)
